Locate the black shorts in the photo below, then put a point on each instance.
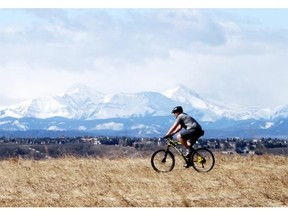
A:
(193, 135)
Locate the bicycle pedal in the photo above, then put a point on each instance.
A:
(186, 165)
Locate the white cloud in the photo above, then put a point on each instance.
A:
(220, 55)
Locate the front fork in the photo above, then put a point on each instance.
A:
(165, 154)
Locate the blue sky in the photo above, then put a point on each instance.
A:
(236, 56)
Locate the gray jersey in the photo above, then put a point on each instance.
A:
(187, 121)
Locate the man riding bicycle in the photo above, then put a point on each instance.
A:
(193, 130)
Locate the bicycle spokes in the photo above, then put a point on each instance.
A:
(203, 160)
(163, 161)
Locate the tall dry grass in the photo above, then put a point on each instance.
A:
(235, 181)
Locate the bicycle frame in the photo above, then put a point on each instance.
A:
(174, 144)
(163, 160)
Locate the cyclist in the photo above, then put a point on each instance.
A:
(193, 129)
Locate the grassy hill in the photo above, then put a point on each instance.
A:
(235, 181)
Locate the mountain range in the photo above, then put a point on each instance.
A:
(84, 110)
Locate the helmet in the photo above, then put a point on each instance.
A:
(177, 109)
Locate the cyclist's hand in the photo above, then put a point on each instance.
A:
(168, 137)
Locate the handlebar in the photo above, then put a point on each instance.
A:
(168, 137)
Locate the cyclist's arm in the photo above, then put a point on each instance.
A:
(176, 127)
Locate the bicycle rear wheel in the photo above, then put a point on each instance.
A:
(202, 160)
(163, 161)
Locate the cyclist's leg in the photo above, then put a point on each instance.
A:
(194, 137)
(182, 140)
(185, 136)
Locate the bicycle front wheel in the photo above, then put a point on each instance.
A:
(202, 160)
(163, 161)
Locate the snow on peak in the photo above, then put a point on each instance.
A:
(83, 93)
(19, 125)
(82, 102)
(180, 89)
(267, 125)
(110, 126)
(185, 95)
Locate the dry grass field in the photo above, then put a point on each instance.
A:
(235, 181)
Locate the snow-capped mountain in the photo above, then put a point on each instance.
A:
(40, 108)
(82, 102)
(132, 105)
(82, 108)
(212, 111)
(205, 109)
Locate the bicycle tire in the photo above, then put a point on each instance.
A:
(202, 160)
(163, 161)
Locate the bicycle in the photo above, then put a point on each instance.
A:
(163, 160)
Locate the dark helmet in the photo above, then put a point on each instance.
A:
(177, 109)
